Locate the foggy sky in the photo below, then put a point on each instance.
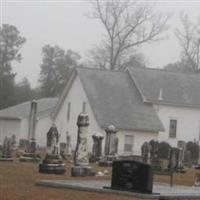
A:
(66, 24)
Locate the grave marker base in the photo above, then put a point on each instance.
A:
(29, 157)
(6, 159)
(52, 168)
(82, 171)
(52, 164)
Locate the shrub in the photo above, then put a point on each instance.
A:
(194, 149)
(163, 150)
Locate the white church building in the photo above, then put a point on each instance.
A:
(143, 104)
(15, 120)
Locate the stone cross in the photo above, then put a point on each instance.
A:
(81, 157)
(52, 140)
(97, 145)
(7, 148)
(110, 143)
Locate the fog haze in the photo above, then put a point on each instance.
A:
(66, 24)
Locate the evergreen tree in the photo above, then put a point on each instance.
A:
(55, 69)
(10, 44)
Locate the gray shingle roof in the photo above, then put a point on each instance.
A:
(115, 100)
(44, 107)
(177, 88)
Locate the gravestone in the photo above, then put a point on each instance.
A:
(52, 163)
(30, 154)
(63, 149)
(175, 162)
(81, 158)
(97, 146)
(154, 155)
(130, 175)
(197, 180)
(111, 145)
(52, 140)
(182, 146)
(23, 144)
(13, 142)
(7, 150)
(180, 166)
(68, 144)
(154, 150)
(145, 149)
(173, 159)
(187, 158)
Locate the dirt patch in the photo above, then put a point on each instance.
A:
(17, 182)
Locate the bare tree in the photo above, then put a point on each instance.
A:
(189, 39)
(128, 25)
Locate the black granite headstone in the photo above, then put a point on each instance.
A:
(132, 176)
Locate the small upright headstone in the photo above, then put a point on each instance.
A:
(7, 150)
(180, 165)
(173, 159)
(182, 147)
(97, 145)
(145, 149)
(63, 150)
(154, 150)
(187, 158)
(68, 144)
(81, 158)
(52, 140)
(197, 180)
(131, 175)
(173, 162)
(52, 163)
(23, 144)
(13, 142)
(154, 155)
(111, 145)
(181, 144)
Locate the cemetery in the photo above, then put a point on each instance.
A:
(91, 108)
(141, 177)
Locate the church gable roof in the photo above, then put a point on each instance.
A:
(160, 86)
(115, 100)
(22, 110)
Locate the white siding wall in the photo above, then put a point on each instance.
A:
(138, 140)
(9, 127)
(42, 127)
(76, 96)
(188, 122)
(24, 129)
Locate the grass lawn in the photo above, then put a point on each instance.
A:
(17, 182)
